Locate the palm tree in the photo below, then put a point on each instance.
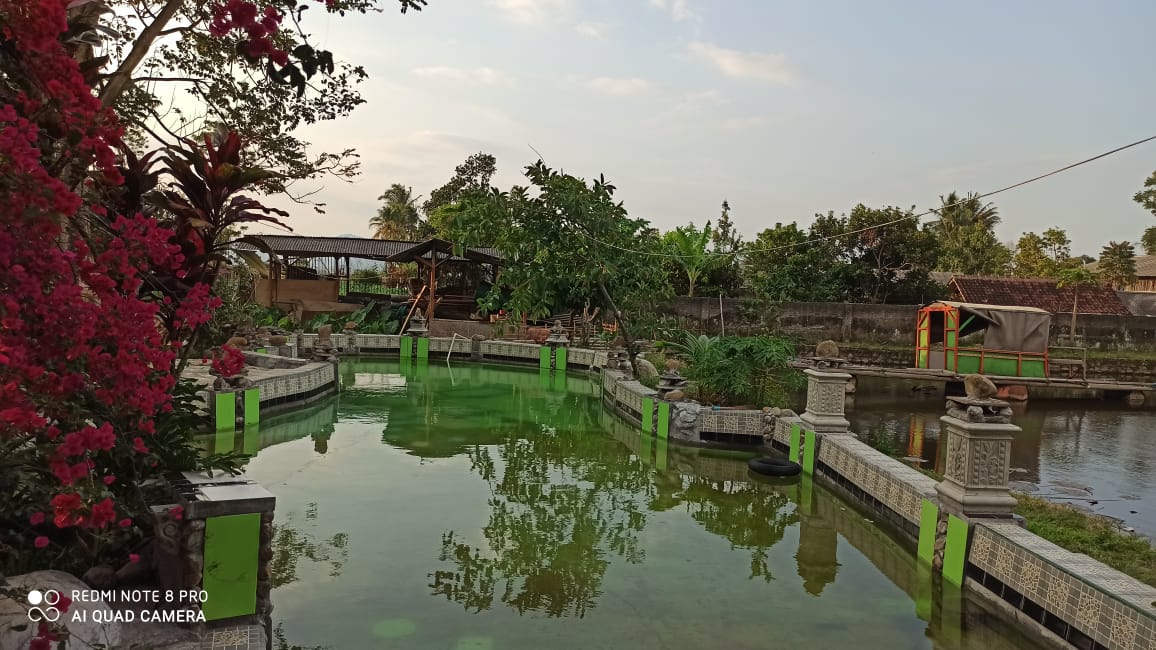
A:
(690, 249)
(1075, 278)
(398, 217)
(956, 214)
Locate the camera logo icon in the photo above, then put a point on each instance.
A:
(43, 605)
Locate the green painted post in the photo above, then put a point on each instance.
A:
(560, 381)
(660, 453)
(230, 573)
(928, 520)
(544, 358)
(423, 348)
(955, 553)
(663, 420)
(544, 379)
(225, 411)
(252, 405)
(809, 448)
(560, 359)
(647, 416)
(252, 439)
(647, 449)
(796, 434)
(406, 347)
(260, 350)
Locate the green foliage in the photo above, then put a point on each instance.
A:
(1117, 266)
(880, 440)
(373, 318)
(398, 217)
(1043, 256)
(563, 247)
(370, 274)
(739, 370)
(785, 264)
(1147, 196)
(967, 241)
(471, 179)
(1148, 240)
(689, 251)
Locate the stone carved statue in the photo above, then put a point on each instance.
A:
(323, 349)
(684, 420)
(827, 350)
(980, 405)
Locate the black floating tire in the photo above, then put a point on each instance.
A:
(771, 466)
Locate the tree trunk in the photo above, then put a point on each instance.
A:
(690, 286)
(618, 320)
(119, 80)
(1075, 304)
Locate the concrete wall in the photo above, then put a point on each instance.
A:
(267, 291)
(815, 321)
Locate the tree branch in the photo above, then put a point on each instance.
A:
(120, 79)
(184, 79)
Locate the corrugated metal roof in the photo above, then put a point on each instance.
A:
(1145, 266)
(359, 247)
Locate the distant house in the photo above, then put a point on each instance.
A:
(1145, 274)
(1040, 293)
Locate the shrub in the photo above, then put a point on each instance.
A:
(732, 370)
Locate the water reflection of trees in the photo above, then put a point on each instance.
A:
(748, 515)
(291, 543)
(564, 501)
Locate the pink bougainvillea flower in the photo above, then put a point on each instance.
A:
(133, 557)
(103, 513)
(109, 480)
(36, 518)
(138, 446)
(124, 523)
(40, 542)
(177, 513)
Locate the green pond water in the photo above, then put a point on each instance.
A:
(487, 507)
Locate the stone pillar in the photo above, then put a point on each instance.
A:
(979, 437)
(826, 392)
(223, 540)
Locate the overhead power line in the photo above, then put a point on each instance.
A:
(885, 223)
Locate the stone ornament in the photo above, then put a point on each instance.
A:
(684, 418)
(323, 348)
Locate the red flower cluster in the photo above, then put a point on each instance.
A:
(258, 26)
(229, 363)
(84, 366)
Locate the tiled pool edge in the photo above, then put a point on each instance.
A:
(1080, 602)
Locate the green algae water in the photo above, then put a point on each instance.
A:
(487, 507)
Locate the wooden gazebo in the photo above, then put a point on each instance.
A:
(436, 256)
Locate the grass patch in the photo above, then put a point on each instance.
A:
(1094, 536)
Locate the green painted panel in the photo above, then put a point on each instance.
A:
(423, 348)
(647, 416)
(230, 573)
(1000, 364)
(225, 411)
(809, 449)
(252, 439)
(224, 441)
(663, 420)
(421, 368)
(660, 451)
(806, 495)
(955, 553)
(544, 379)
(544, 358)
(252, 405)
(406, 346)
(928, 519)
(260, 350)
(560, 359)
(924, 591)
(559, 381)
(796, 434)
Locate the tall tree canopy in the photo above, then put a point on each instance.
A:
(1117, 266)
(471, 179)
(1147, 200)
(1043, 256)
(967, 241)
(398, 218)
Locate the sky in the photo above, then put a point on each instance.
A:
(783, 108)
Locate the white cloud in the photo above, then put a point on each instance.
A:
(592, 30)
(531, 12)
(616, 86)
(483, 76)
(678, 9)
(698, 101)
(772, 68)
